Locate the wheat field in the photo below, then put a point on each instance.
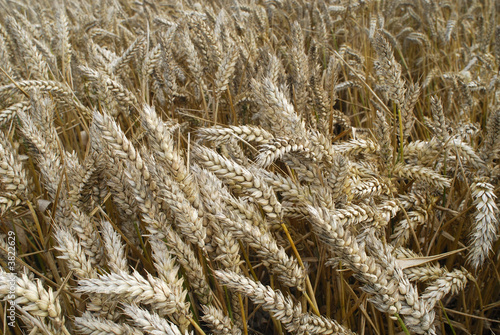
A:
(249, 167)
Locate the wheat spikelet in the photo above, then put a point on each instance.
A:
(402, 231)
(120, 63)
(115, 251)
(188, 220)
(368, 187)
(206, 42)
(490, 149)
(63, 43)
(218, 322)
(34, 298)
(92, 325)
(151, 322)
(44, 146)
(120, 146)
(163, 143)
(225, 71)
(71, 251)
(277, 148)
(7, 114)
(120, 93)
(192, 267)
(355, 256)
(389, 70)
(88, 236)
(453, 282)
(422, 173)
(63, 94)
(419, 273)
(220, 134)
(355, 147)
(86, 179)
(240, 179)
(4, 57)
(287, 269)
(289, 189)
(193, 60)
(34, 62)
(212, 191)
(13, 179)
(168, 272)
(279, 306)
(134, 287)
(484, 232)
(300, 65)
(118, 185)
(277, 112)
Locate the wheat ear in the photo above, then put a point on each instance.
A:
(151, 323)
(485, 228)
(89, 324)
(281, 307)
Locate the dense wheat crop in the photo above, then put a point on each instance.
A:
(249, 167)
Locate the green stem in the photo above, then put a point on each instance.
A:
(447, 318)
(402, 324)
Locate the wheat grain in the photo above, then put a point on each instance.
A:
(34, 298)
(13, 179)
(114, 249)
(71, 251)
(218, 322)
(134, 287)
(453, 282)
(240, 179)
(92, 325)
(287, 269)
(151, 323)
